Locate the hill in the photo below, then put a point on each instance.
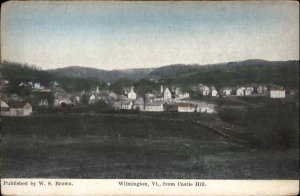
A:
(77, 78)
(221, 74)
(107, 76)
(284, 73)
(16, 73)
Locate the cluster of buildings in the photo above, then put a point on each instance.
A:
(154, 101)
(165, 99)
(272, 91)
(15, 105)
(37, 86)
(171, 99)
(206, 90)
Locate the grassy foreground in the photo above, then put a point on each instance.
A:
(94, 157)
(105, 147)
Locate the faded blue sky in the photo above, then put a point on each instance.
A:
(115, 35)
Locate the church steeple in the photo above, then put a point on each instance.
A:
(97, 90)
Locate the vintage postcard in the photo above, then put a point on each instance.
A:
(150, 98)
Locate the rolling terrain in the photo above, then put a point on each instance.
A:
(108, 76)
(231, 73)
(259, 140)
(128, 146)
(75, 78)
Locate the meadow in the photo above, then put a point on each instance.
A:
(119, 145)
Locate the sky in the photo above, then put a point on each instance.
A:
(121, 35)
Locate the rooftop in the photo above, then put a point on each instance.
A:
(274, 87)
(185, 105)
(154, 103)
(17, 104)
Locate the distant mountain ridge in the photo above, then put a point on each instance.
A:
(168, 71)
(105, 75)
(231, 74)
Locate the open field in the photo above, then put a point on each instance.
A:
(120, 146)
(112, 125)
(94, 157)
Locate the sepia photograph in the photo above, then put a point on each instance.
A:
(138, 90)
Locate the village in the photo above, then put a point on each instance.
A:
(168, 98)
(175, 91)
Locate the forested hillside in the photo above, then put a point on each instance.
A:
(105, 75)
(285, 73)
(239, 73)
(16, 73)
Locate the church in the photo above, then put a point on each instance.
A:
(132, 95)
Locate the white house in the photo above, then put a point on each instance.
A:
(204, 90)
(4, 109)
(186, 107)
(131, 95)
(276, 92)
(154, 107)
(249, 90)
(205, 108)
(214, 93)
(167, 95)
(240, 91)
(19, 108)
(227, 91)
(92, 99)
